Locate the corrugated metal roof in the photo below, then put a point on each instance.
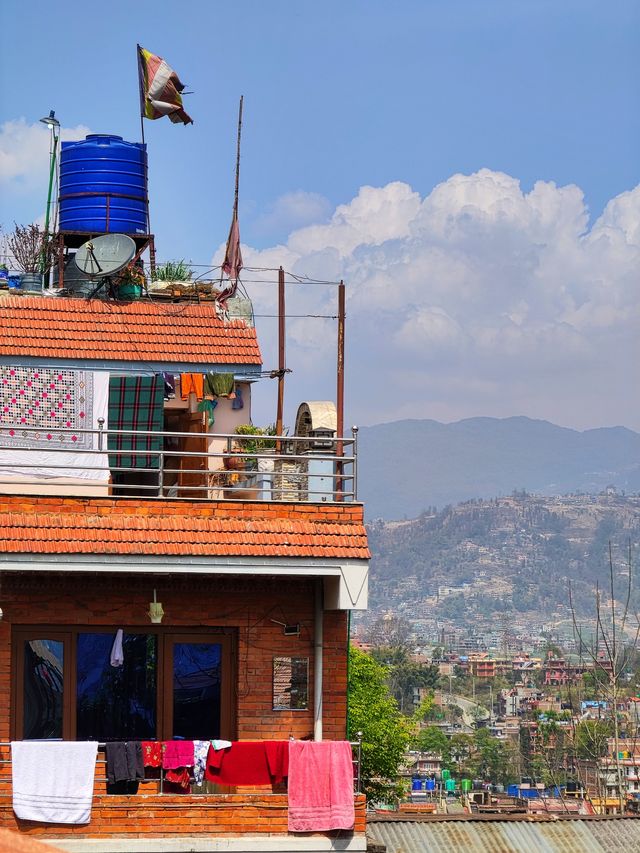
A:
(507, 836)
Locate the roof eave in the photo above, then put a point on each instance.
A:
(240, 370)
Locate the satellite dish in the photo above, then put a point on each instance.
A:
(106, 255)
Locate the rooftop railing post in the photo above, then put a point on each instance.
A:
(354, 433)
(161, 474)
(100, 433)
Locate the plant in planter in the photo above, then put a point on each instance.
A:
(132, 282)
(254, 440)
(33, 252)
(173, 271)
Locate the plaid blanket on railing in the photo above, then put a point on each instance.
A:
(136, 403)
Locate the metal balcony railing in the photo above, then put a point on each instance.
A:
(184, 466)
(158, 778)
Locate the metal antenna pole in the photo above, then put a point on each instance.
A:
(152, 245)
(141, 88)
(235, 198)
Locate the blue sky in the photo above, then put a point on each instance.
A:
(345, 95)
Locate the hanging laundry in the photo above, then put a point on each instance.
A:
(52, 781)
(48, 410)
(179, 777)
(238, 402)
(169, 386)
(136, 404)
(125, 767)
(117, 653)
(191, 383)
(248, 763)
(177, 753)
(177, 756)
(208, 406)
(320, 786)
(152, 753)
(219, 384)
(200, 752)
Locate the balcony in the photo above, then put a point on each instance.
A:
(185, 466)
(242, 819)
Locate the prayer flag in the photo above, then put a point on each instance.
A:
(160, 89)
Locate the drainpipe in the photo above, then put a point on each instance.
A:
(348, 726)
(318, 661)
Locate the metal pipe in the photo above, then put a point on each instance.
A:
(318, 663)
(348, 725)
(281, 355)
(340, 387)
(354, 476)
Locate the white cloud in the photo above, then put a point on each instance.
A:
(24, 153)
(510, 297)
(291, 211)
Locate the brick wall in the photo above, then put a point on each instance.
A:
(174, 816)
(345, 513)
(247, 605)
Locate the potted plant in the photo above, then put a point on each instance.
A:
(171, 272)
(254, 440)
(33, 252)
(132, 283)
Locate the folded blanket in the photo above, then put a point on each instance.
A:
(53, 780)
(320, 786)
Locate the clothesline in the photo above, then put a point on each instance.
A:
(320, 775)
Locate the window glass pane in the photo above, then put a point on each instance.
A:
(116, 702)
(290, 684)
(196, 690)
(43, 673)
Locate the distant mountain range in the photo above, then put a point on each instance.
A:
(408, 466)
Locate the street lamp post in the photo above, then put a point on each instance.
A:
(54, 126)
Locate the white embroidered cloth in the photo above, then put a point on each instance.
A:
(36, 405)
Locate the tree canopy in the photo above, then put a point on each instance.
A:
(385, 732)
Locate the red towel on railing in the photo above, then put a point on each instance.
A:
(248, 762)
(320, 786)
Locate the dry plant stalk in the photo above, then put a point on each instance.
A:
(32, 248)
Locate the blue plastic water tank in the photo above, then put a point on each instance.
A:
(103, 185)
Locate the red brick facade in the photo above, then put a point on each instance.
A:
(244, 604)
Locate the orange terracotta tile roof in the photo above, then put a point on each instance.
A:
(48, 327)
(128, 530)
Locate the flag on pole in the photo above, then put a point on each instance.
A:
(160, 89)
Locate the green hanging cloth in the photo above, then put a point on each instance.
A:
(219, 384)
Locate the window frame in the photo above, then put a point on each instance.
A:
(166, 637)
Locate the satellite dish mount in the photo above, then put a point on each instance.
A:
(102, 257)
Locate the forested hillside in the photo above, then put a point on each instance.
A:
(502, 558)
